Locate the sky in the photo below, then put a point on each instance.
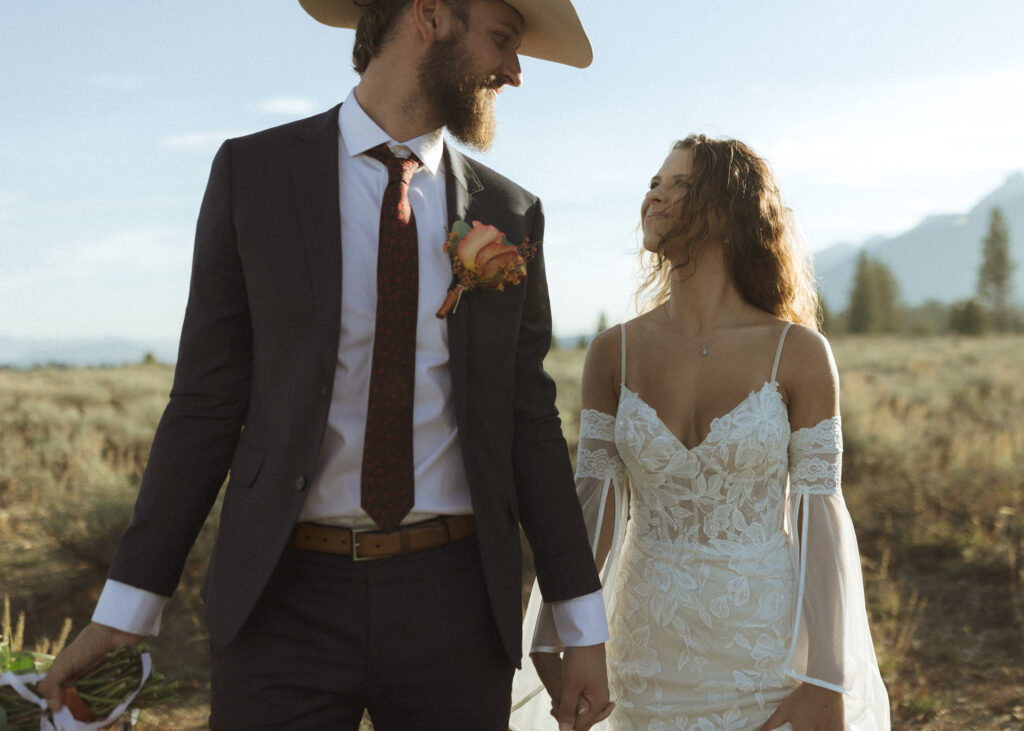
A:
(872, 114)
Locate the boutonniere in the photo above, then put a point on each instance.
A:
(482, 258)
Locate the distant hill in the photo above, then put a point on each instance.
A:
(27, 353)
(938, 259)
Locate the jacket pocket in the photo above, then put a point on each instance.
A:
(245, 465)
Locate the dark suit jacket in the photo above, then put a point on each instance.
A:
(256, 364)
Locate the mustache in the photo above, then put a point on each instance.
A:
(482, 83)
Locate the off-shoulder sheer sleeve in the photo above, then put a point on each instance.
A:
(832, 644)
(600, 474)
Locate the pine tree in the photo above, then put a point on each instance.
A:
(873, 299)
(968, 317)
(887, 295)
(858, 317)
(995, 285)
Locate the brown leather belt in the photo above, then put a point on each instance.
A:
(362, 544)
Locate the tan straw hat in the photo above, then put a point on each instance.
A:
(552, 30)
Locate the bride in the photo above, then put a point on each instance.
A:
(709, 472)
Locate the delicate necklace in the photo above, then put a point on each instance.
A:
(703, 347)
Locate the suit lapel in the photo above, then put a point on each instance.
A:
(461, 185)
(314, 170)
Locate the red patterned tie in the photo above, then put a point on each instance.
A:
(387, 476)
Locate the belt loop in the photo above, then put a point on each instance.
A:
(404, 534)
(447, 529)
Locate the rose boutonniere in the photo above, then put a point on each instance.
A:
(482, 258)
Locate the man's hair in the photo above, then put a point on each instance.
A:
(377, 23)
(733, 194)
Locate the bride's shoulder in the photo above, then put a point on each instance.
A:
(807, 348)
(601, 377)
(604, 352)
(606, 346)
(808, 376)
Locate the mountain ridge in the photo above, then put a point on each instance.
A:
(937, 259)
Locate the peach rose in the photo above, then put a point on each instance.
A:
(474, 240)
(482, 258)
(495, 262)
(484, 252)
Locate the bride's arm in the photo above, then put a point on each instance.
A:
(602, 383)
(600, 485)
(810, 385)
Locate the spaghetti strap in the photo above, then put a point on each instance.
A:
(622, 373)
(778, 352)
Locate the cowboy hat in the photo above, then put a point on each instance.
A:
(552, 30)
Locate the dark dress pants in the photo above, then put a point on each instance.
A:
(411, 639)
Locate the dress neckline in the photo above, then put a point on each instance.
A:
(715, 422)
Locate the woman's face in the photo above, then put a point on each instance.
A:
(660, 209)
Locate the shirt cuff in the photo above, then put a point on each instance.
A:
(581, 621)
(129, 609)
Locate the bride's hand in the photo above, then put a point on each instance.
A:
(549, 669)
(809, 708)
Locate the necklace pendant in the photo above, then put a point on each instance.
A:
(703, 350)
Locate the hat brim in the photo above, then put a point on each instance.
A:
(552, 30)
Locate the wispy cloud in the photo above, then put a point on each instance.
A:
(938, 127)
(117, 81)
(140, 251)
(876, 158)
(8, 200)
(200, 141)
(288, 106)
(131, 283)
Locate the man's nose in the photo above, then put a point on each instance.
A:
(512, 72)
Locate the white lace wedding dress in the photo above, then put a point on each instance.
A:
(717, 608)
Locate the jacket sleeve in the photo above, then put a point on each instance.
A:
(600, 475)
(549, 511)
(198, 432)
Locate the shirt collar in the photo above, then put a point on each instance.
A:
(360, 133)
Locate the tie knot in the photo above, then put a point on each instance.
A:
(399, 168)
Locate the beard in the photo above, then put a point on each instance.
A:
(460, 99)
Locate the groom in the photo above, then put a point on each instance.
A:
(290, 374)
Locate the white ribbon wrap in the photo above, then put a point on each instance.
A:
(62, 720)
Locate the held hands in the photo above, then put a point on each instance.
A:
(577, 684)
(809, 708)
(91, 645)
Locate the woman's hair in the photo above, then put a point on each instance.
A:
(377, 21)
(732, 197)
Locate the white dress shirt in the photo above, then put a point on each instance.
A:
(441, 483)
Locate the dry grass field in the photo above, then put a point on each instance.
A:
(934, 434)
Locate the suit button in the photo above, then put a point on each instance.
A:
(323, 391)
(300, 484)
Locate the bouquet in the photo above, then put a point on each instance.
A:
(482, 258)
(122, 681)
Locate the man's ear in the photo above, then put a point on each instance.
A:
(430, 17)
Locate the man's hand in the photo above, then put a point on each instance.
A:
(92, 643)
(809, 708)
(584, 688)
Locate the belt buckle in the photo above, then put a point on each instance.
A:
(354, 555)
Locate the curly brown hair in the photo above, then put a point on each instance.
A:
(733, 191)
(377, 22)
